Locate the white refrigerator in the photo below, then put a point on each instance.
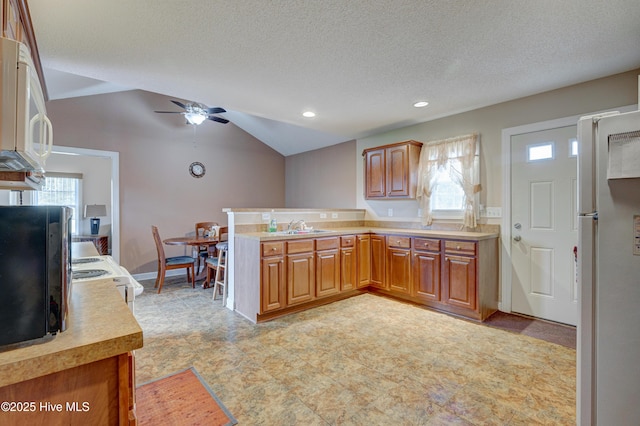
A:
(608, 347)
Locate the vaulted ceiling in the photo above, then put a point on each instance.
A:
(360, 65)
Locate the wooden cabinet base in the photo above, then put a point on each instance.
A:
(99, 393)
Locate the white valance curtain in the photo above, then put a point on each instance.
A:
(461, 154)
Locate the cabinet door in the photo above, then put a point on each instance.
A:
(378, 261)
(364, 260)
(459, 281)
(272, 284)
(399, 268)
(327, 273)
(426, 276)
(397, 171)
(374, 174)
(347, 269)
(300, 278)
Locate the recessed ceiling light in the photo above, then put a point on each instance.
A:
(309, 114)
(421, 104)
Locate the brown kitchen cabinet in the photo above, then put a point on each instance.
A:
(363, 252)
(300, 272)
(348, 263)
(378, 253)
(399, 264)
(272, 290)
(470, 277)
(459, 277)
(391, 171)
(426, 269)
(327, 266)
(294, 274)
(459, 274)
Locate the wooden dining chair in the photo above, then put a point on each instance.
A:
(168, 263)
(203, 251)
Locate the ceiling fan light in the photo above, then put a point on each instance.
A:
(195, 118)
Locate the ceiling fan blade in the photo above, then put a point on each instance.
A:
(216, 110)
(180, 104)
(169, 112)
(218, 119)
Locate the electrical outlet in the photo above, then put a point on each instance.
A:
(493, 212)
(334, 215)
(266, 216)
(323, 215)
(390, 212)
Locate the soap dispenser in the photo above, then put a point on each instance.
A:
(273, 225)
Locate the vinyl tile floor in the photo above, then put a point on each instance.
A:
(367, 360)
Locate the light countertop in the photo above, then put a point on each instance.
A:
(426, 233)
(100, 326)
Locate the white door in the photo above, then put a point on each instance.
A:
(544, 224)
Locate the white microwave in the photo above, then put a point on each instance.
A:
(25, 129)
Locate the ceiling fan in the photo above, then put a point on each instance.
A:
(196, 113)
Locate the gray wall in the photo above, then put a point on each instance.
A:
(155, 152)
(323, 178)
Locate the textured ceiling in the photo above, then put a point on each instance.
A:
(359, 64)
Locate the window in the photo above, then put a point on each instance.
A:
(447, 196)
(449, 180)
(573, 147)
(62, 189)
(541, 151)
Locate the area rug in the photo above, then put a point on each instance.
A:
(182, 398)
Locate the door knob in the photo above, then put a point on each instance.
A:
(517, 238)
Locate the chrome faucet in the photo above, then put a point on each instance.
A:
(300, 225)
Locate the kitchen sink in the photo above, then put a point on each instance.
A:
(300, 232)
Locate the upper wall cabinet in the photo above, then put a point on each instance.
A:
(391, 171)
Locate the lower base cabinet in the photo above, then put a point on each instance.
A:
(425, 275)
(455, 276)
(348, 264)
(459, 277)
(98, 393)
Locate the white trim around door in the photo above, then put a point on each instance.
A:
(115, 189)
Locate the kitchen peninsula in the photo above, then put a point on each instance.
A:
(444, 269)
(84, 375)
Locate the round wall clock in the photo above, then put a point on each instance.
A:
(196, 169)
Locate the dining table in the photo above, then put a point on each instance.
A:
(195, 241)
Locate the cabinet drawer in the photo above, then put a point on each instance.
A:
(426, 244)
(400, 242)
(299, 246)
(460, 247)
(328, 243)
(347, 241)
(272, 249)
